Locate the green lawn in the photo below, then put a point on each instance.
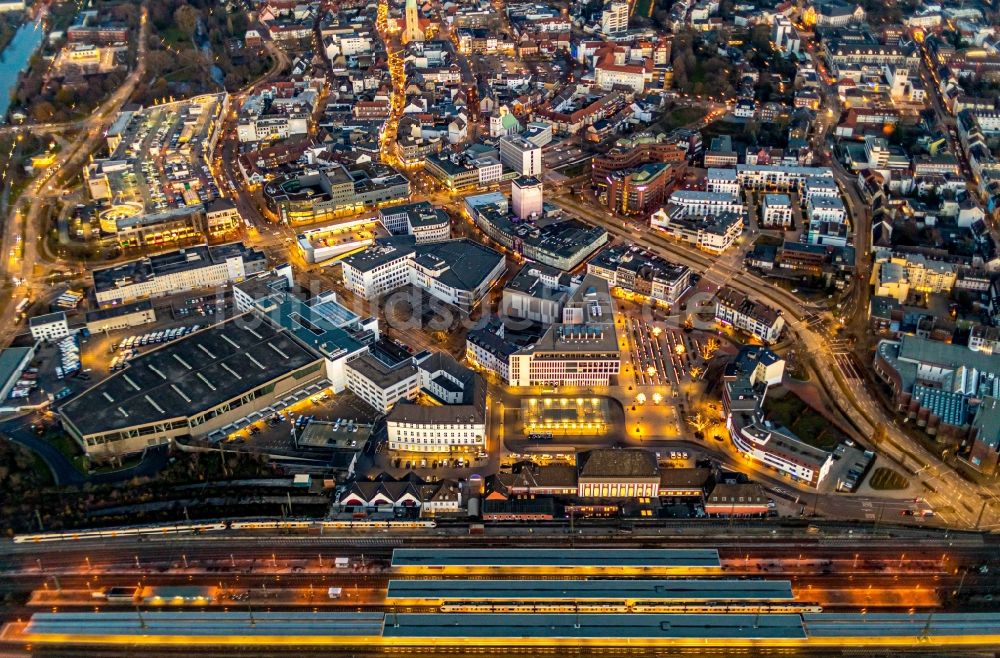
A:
(807, 424)
(769, 241)
(69, 448)
(886, 479)
(681, 116)
(643, 8)
(173, 36)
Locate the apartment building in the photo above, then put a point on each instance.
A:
(714, 233)
(776, 210)
(738, 310)
(637, 273)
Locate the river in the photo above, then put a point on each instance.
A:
(14, 59)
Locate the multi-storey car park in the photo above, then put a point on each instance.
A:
(156, 181)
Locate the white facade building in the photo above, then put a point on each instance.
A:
(457, 424)
(49, 327)
(734, 308)
(271, 126)
(582, 350)
(695, 202)
(458, 272)
(777, 210)
(826, 209)
(176, 271)
(777, 177)
(614, 18)
(722, 181)
(522, 156)
(379, 384)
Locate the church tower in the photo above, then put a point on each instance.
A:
(412, 31)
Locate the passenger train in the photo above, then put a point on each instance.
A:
(621, 607)
(199, 528)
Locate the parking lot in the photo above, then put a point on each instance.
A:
(563, 154)
(275, 433)
(100, 351)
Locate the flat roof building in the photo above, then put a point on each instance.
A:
(458, 272)
(563, 243)
(172, 272)
(192, 386)
(581, 350)
(343, 631)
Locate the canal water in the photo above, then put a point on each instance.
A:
(14, 59)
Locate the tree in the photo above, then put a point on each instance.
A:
(680, 75)
(42, 111)
(186, 19)
(760, 37)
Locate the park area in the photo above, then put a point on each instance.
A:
(785, 408)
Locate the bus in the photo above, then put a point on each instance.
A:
(22, 306)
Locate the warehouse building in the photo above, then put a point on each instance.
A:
(194, 387)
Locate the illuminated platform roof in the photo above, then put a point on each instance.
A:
(344, 631)
(208, 623)
(620, 626)
(556, 558)
(598, 590)
(881, 625)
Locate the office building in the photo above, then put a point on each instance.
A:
(456, 423)
(746, 382)
(537, 293)
(49, 327)
(582, 350)
(558, 242)
(459, 272)
(419, 219)
(639, 190)
(382, 382)
(520, 155)
(526, 197)
(176, 271)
